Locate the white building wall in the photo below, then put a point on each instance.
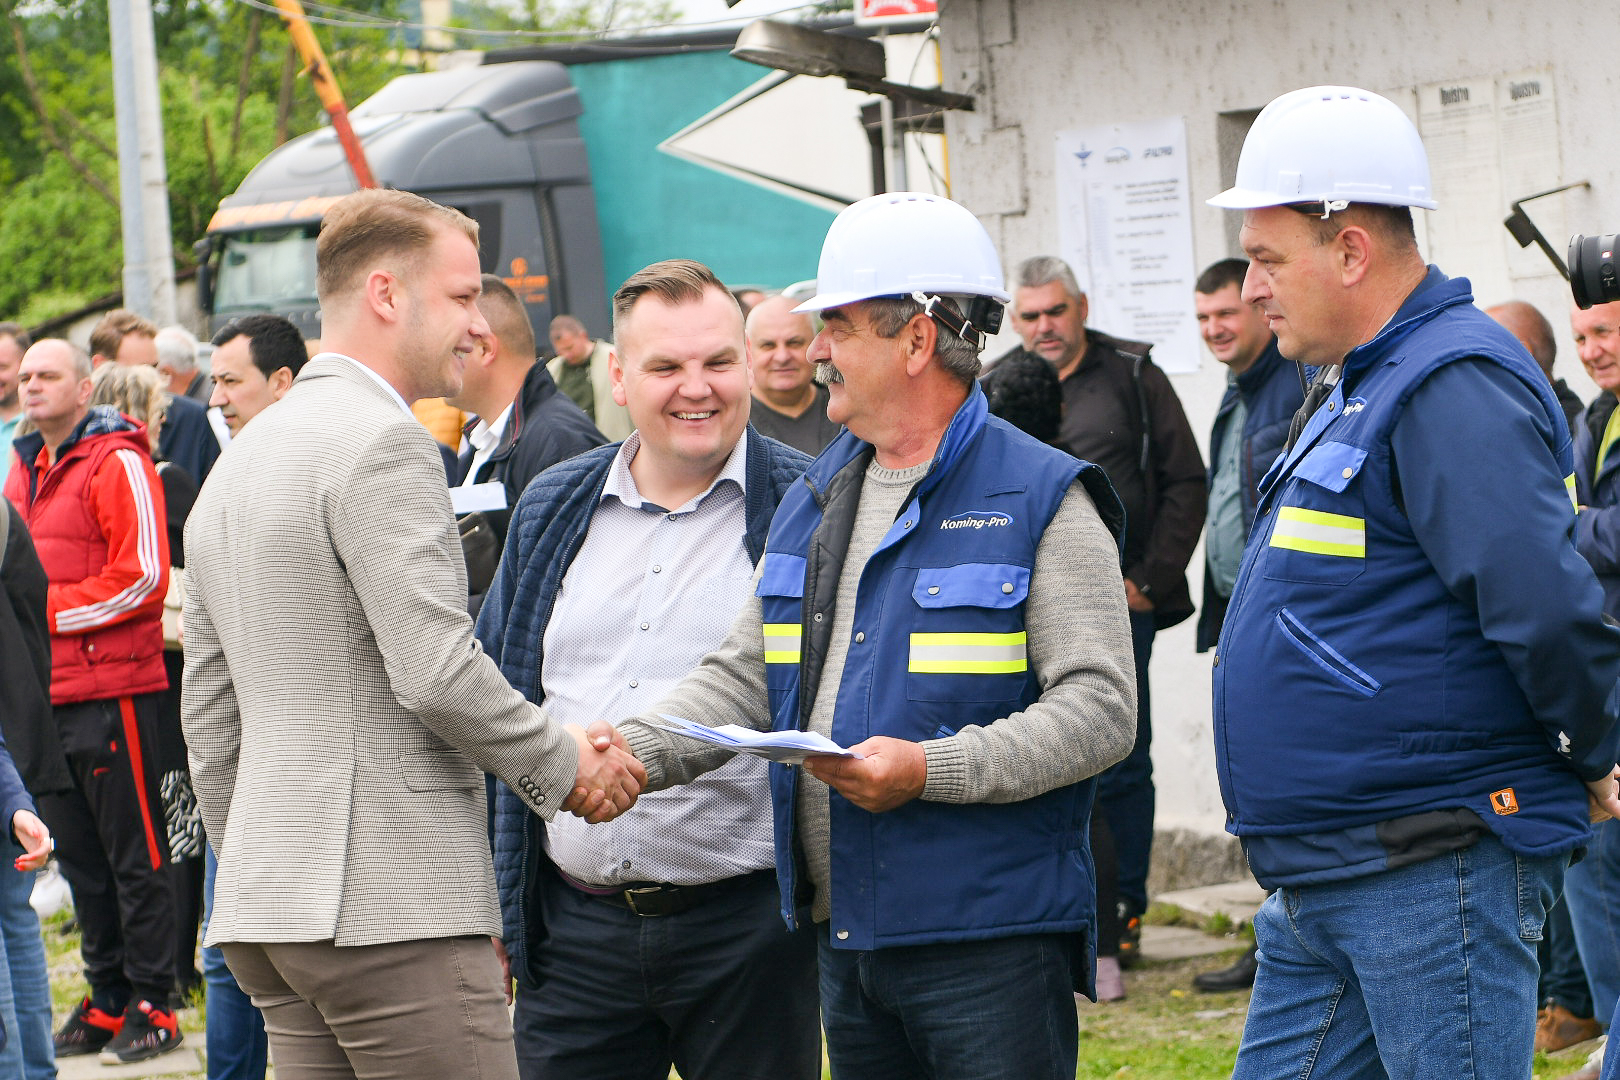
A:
(1038, 67)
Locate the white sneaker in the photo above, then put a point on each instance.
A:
(51, 893)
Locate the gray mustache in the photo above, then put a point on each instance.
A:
(826, 374)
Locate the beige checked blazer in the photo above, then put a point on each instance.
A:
(338, 711)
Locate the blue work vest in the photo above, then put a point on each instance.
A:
(1350, 686)
(937, 644)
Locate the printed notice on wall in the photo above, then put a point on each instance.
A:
(1492, 142)
(1458, 122)
(1126, 229)
(1527, 139)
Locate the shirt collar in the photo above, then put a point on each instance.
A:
(376, 378)
(622, 486)
(486, 435)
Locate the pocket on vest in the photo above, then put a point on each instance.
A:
(967, 644)
(1325, 656)
(1319, 533)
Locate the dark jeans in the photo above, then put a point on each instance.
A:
(1001, 1009)
(722, 990)
(113, 850)
(1125, 791)
(1563, 979)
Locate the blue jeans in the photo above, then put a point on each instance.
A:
(1424, 971)
(1125, 790)
(237, 1046)
(1001, 1009)
(25, 989)
(1592, 889)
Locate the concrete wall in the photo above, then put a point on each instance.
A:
(1042, 66)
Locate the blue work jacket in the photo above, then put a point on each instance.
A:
(1597, 530)
(1368, 674)
(938, 644)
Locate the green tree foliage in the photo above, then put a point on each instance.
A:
(59, 232)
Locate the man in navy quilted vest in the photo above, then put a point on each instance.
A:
(1414, 686)
(941, 593)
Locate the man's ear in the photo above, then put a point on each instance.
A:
(1354, 251)
(919, 339)
(281, 381)
(616, 376)
(385, 295)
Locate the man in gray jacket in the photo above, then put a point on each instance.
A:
(340, 715)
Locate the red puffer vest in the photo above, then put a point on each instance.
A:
(115, 645)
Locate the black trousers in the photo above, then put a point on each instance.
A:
(722, 991)
(111, 844)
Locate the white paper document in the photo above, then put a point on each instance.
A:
(473, 497)
(788, 747)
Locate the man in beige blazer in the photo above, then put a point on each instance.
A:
(339, 714)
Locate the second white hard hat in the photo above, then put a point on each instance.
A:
(1330, 144)
(903, 242)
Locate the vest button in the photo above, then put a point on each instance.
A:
(818, 616)
(933, 590)
(859, 638)
(843, 935)
(658, 569)
(634, 684)
(1006, 586)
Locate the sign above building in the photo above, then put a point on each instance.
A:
(880, 11)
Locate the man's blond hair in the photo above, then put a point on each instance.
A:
(374, 225)
(114, 327)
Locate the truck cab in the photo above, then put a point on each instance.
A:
(499, 142)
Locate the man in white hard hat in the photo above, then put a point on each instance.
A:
(1414, 691)
(943, 595)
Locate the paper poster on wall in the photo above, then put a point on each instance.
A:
(1125, 227)
(1458, 122)
(1527, 130)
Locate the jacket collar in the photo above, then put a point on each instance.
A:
(538, 387)
(1259, 373)
(965, 425)
(1434, 293)
(100, 420)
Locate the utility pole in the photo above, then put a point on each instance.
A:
(143, 186)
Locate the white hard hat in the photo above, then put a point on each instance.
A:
(1334, 145)
(905, 242)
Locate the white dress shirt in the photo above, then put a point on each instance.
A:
(649, 594)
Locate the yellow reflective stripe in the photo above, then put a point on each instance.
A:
(1019, 638)
(1319, 532)
(969, 654)
(782, 642)
(1569, 485)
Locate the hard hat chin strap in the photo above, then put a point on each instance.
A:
(948, 318)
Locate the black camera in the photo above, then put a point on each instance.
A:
(1592, 276)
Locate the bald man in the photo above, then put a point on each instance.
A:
(1535, 333)
(524, 425)
(788, 406)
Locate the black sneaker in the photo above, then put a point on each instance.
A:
(147, 1032)
(87, 1030)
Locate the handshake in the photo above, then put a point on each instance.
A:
(609, 778)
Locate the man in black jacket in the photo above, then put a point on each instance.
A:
(524, 424)
(1120, 411)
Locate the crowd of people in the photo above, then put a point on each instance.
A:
(396, 719)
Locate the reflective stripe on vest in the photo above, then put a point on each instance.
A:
(969, 654)
(782, 642)
(1320, 533)
(1569, 484)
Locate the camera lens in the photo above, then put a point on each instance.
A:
(1592, 276)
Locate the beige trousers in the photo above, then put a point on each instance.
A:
(408, 1010)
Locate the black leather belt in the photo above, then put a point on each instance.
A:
(652, 899)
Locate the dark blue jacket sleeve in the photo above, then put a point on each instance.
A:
(1489, 505)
